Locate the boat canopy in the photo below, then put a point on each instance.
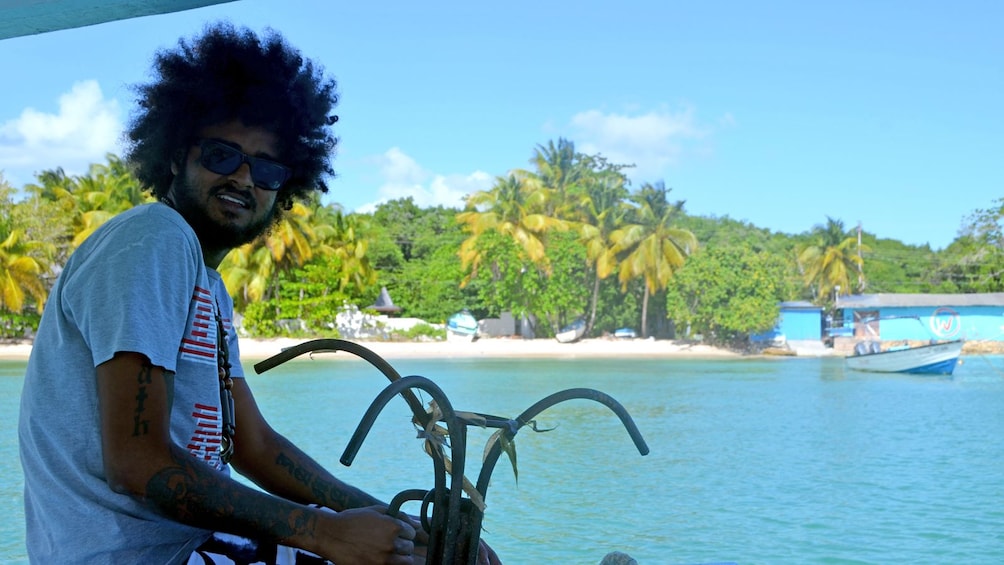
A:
(31, 17)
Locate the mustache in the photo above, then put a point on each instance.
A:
(233, 191)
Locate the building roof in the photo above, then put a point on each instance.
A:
(799, 305)
(907, 300)
(30, 17)
(384, 304)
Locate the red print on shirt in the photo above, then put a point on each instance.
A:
(205, 442)
(199, 343)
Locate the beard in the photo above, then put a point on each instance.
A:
(212, 233)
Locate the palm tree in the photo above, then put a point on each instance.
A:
(560, 172)
(650, 247)
(20, 273)
(23, 262)
(831, 260)
(54, 212)
(247, 273)
(251, 271)
(601, 211)
(343, 236)
(90, 200)
(306, 231)
(104, 192)
(513, 207)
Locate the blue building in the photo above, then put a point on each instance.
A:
(921, 317)
(798, 321)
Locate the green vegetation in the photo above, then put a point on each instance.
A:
(727, 293)
(831, 261)
(563, 239)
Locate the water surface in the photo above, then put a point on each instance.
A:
(754, 461)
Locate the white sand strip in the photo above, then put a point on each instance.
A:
(254, 349)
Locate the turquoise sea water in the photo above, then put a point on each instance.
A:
(767, 461)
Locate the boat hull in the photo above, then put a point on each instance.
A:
(461, 327)
(935, 359)
(571, 333)
(460, 336)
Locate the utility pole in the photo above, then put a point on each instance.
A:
(861, 273)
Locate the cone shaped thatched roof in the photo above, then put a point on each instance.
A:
(384, 304)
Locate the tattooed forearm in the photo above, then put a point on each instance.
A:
(309, 478)
(323, 488)
(195, 494)
(141, 425)
(301, 474)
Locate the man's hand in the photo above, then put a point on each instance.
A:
(364, 536)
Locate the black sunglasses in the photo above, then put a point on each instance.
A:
(224, 159)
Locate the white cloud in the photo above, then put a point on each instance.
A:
(402, 177)
(652, 141)
(84, 129)
(398, 168)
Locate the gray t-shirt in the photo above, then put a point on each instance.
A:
(137, 284)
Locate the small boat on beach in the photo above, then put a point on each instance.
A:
(462, 327)
(932, 359)
(572, 332)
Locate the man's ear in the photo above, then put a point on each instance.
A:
(176, 160)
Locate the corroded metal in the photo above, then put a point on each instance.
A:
(454, 525)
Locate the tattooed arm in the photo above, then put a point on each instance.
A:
(140, 460)
(278, 466)
(275, 464)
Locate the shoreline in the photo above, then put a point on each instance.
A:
(258, 349)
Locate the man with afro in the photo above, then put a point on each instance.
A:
(134, 408)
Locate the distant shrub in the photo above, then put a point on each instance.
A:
(18, 326)
(284, 318)
(423, 332)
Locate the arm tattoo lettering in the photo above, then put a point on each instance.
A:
(323, 493)
(299, 473)
(326, 491)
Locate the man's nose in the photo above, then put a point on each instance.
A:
(243, 176)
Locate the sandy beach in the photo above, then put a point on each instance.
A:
(256, 349)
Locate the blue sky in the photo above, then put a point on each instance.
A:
(779, 113)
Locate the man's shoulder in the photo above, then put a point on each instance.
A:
(152, 212)
(154, 219)
(144, 231)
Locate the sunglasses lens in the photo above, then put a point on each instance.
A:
(268, 175)
(219, 158)
(222, 159)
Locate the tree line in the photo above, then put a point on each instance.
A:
(562, 239)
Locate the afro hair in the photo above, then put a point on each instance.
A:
(226, 74)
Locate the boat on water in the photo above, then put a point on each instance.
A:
(461, 327)
(572, 332)
(932, 359)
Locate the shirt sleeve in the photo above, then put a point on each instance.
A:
(133, 289)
